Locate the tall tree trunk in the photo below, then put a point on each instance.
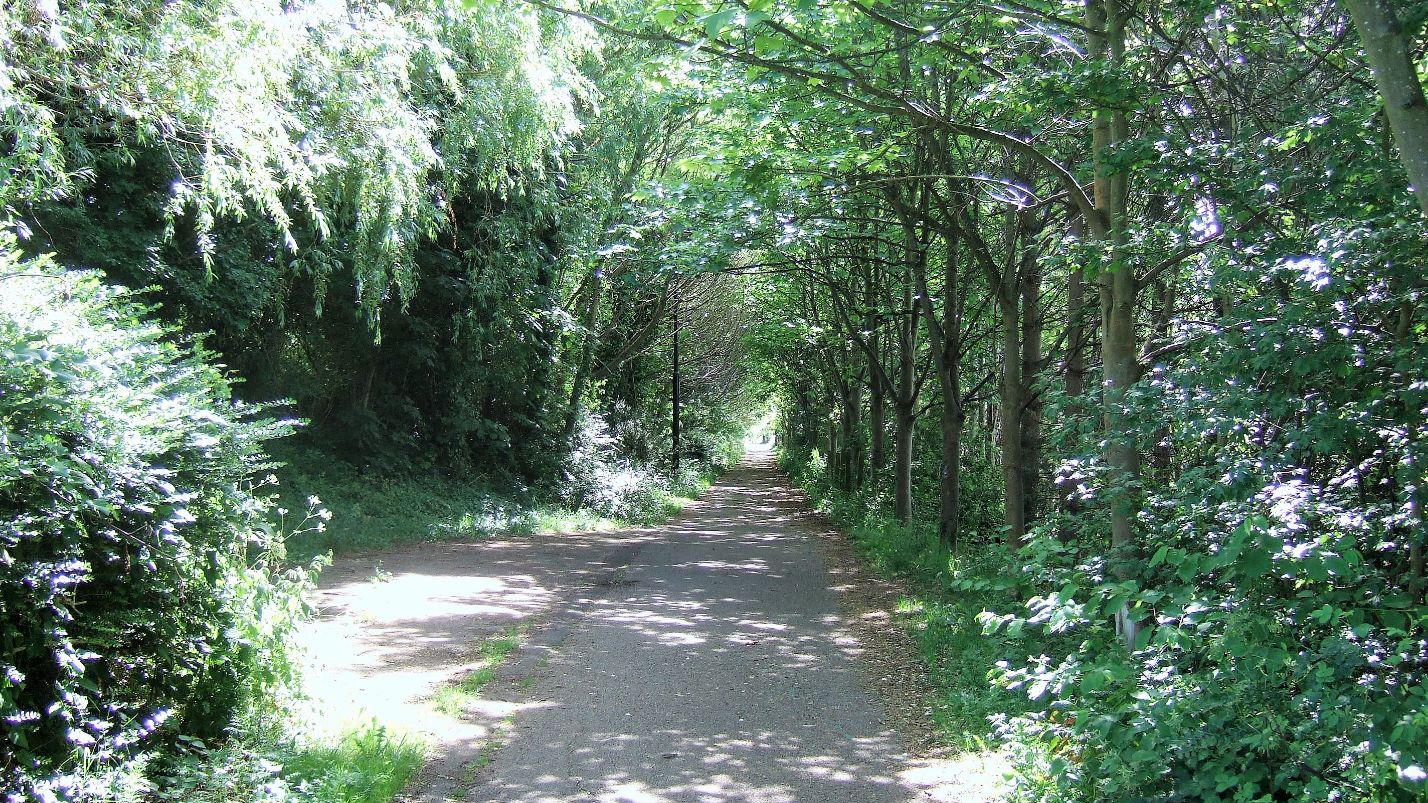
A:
(1076, 341)
(949, 523)
(674, 391)
(878, 426)
(877, 392)
(948, 351)
(903, 423)
(1013, 466)
(1011, 392)
(1105, 21)
(1417, 581)
(945, 341)
(588, 321)
(1389, 53)
(1076, 335)
(905, 404)
(851, 459)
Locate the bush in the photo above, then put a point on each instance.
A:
(138, 583)
(1283, 652)
(599, 478)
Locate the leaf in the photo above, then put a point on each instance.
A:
(715, 23)
(1142, 638)
(1159, 556)
(1093, 681)
(666, 17)
(1254, 562)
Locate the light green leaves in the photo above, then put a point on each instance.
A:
(715, 23)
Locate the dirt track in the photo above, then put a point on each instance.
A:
(737, 653)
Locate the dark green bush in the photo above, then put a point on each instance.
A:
(138, 589)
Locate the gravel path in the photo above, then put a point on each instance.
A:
(715, 659)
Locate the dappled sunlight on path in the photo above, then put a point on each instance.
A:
(706, 660)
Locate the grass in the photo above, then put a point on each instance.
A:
(366, 765)
(938, 611)
(266, 761)
(374, 512)
(370, 513)
(455, 698)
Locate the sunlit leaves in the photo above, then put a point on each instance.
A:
(314, 116)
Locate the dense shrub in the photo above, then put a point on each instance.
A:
(137, 583)
(599, 477)
(1283, 654)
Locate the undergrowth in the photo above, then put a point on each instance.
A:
(371, 512)
(266, 763)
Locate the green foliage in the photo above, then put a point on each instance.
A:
(1282, 655)
(138, 571)
(315, 118)
(366, 764)
(377, 510)
(600, 478)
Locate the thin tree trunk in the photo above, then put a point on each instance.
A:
(1075, 336)
(877, 393)
(904, 408)
(1031, 330)
(903, 422)
(1013, 467)
(674, 393)
(588, 321)
(878, 426)
(852, 458)
(949, 522)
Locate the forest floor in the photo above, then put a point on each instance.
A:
(741, 652)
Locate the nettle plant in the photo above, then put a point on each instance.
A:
(141, 598)
(1283, 654)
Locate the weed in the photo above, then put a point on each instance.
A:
(454, 699)
(368, 765)
(373, 512)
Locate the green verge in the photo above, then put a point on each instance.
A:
(263, 762)
(371, 513)
(366, 765)
(945, 594)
